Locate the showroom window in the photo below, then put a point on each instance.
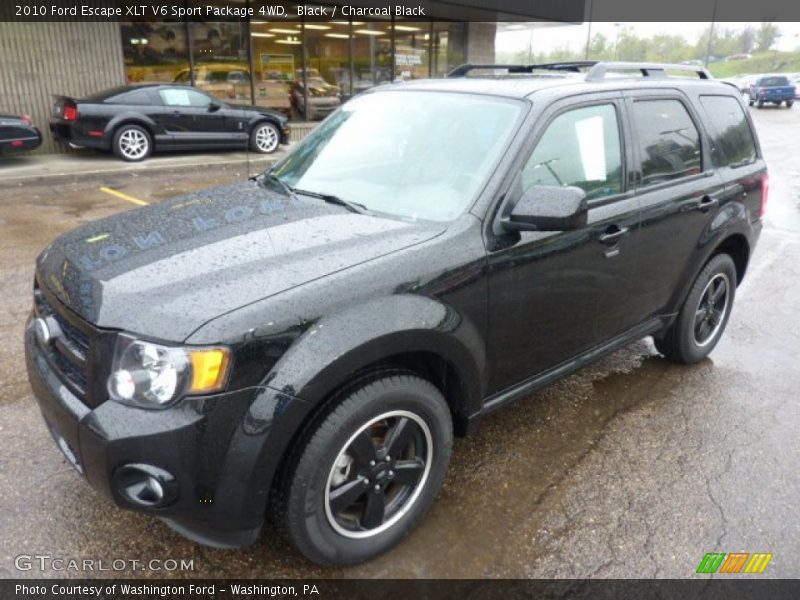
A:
(221, 65)
(154, 52)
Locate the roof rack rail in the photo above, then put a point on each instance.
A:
(570, 66)
(598, 71)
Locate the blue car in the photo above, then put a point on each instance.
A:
(772, 89)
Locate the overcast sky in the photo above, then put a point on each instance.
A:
(549, 38)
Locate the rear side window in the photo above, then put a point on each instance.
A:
(733, 143)
(132, 97)
(581, 147)
(669, 143)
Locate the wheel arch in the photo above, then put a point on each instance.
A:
(738, 248)
(115, 124)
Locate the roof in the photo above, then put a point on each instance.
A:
(522, 87)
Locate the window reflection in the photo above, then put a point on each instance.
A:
(154, 52)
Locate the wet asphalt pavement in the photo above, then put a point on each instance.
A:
(633, 467)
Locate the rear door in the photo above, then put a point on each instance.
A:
(678, 189)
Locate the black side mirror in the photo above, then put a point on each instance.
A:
(214, 107)
(549, 208)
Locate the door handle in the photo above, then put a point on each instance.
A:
(613, 234)
(706, 203)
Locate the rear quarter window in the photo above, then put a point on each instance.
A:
(132, 97)
(732, 139)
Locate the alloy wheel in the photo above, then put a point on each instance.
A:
(133, 144)
(378, 474)
(266, 138)
(710, 313)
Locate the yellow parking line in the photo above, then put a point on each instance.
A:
(131, 199)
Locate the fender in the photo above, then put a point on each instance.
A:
(323, 359)
(132, 117)
(336, 346)
(731, 219)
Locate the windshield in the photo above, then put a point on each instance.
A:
(418, 155)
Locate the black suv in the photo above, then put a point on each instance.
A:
(304, 346)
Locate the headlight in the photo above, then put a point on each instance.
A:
(150, 375)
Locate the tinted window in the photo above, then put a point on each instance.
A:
(580, 147)
(733, 140)
(668, 140)
(773, 81)
(184, 97)
(133, 97)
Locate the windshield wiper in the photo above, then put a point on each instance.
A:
(331, 199)
(264, 177)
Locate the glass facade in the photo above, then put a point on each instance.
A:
(304, 69)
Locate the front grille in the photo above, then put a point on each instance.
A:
(70, 351)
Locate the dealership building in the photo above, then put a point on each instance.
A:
(254, 60)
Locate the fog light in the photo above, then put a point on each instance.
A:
(145, 485)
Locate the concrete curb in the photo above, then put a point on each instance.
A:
(54, 172)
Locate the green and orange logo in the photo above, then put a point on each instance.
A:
(734, 562)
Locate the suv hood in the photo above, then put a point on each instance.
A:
(165, 270)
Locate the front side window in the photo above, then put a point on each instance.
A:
(411, 154)
(669, 143)
(581, 147)
(733, 140)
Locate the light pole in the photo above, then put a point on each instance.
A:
(616, 40)
(710, 34)
(589, 34)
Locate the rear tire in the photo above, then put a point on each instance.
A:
(132, 143)
(704, 314)
(369, 472)
(789, 103)
(750, 102)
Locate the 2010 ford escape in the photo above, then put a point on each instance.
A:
(304, 347)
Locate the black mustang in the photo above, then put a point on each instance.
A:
(133, 121)
(17, 134)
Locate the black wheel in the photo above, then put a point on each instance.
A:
(760, 104)
(750, 102)
(265, 138)
(369, 472)
(789, 103)
(704, 314)
(132, 143)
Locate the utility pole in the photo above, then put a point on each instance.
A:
(710, 34)
(589, 34)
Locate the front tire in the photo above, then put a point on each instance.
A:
(265, 138)
(704, 315)
(789, 103)
(369, 471)
(132, 143)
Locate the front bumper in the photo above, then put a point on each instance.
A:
(222, 450)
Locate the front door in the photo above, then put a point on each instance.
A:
(546, 289)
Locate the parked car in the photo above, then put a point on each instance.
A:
(133, 121)
(772, 89)
(18, 134)
(745, 82)
(323, 98)
(304, 346)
